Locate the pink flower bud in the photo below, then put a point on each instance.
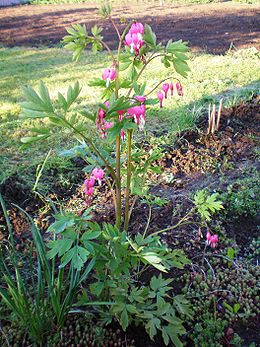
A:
(101, 113)
(208, 236)
(137, 28)
(160, 97)
(107, 104)
(120, 115)
(165, 88)
(171, 88)
(101, 124)
(179, 89)
(89, 182)
(103, 135)
(214, 241)
(122, 133)
(108, 125)
(140, 98)
(109, 75)
(90, 191)
(98, 174)
(138, 113)
(105, 74)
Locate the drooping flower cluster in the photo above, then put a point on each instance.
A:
(211, 240)
(101, 123)
(108, 76)
(165, 89)
(135, 112)
(134, 37)
(97, 175)
(138, 112)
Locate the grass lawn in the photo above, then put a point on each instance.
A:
(233, 76)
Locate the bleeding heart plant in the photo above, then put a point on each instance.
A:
(125, 100)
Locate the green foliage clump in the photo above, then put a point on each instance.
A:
(242, 198)
(206, 204)
(209, 332)
(117, 291)
(221, 296)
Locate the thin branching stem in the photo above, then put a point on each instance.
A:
(137, 77)
(153, 56)
(157, 85)
(105, 46)
(132, 206)
(148, 221)
(118, 186)
(95, 150)
(173, 226)
(116, 28)
(128, 178)
(112, 192)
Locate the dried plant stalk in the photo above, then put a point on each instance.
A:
(219, 113)
(213, 120)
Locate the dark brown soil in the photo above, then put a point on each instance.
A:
(214, 27)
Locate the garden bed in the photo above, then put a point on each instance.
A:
(225, 162)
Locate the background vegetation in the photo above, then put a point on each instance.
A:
(232, 75)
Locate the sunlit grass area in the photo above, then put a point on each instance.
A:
(233, 76)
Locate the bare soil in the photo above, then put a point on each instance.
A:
(212, 27)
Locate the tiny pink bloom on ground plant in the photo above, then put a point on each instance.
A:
(90, 182)
(214, 241)
(160, 97)
(211, 240)
(109, 75)
(208, 237)
(88, 187)
(165, 88)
